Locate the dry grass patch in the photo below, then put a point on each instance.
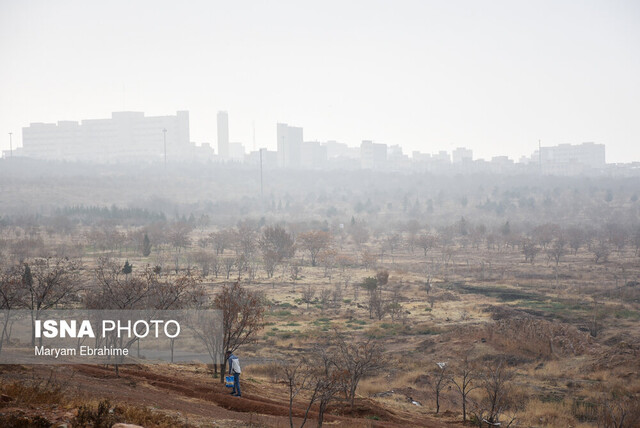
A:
(34, 393)
(262, 371)
(548, 414)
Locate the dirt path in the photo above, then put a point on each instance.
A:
(192, 395)
(201, 400)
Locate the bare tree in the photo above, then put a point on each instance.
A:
(51, 283)
(325, 296)
(619, 409)
(203, 260)
(336, 295)
(392, 243)
(246, 238)
(298, 376)
(601, 251)
(178, 235)
(544, 233)
(464, 380)
(378, 304)
(530, 250)
(382, 277)
(216, 265)
(241, 263)
(319, 375)
(314, 242)
(360, 358)
(329, 378)
(276, 244)
(181, 292)
(328, 259)
(307, 295)
(557, 251)
(115, 290)
(242, 313)
(359, 234)
(222, 240)
(228, 264)
(594, 325)
(270, 262)
(427, 286)
(439, 380)
(395, 307)
(294, 272)
(618, 236)
(576, 238)
(277, 240)
(11, 297)
(496, 384)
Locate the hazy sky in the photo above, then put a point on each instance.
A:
(494, 76)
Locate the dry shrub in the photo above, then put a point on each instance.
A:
(40, 392)
(21, 421)
(548, 414)
(265, 371)
(148, 418)
(584, 410)
(375, 384)
(619, 408)
(371, 386)
(551, 370)
(104, 415)
(537, 337)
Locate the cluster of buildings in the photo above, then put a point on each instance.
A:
(126, 136)
(134, 137)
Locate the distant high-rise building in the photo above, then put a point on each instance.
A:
(223, 135)
(313, 155)
(588, 154)
(569, 159)
(461, 155)
(289, 145)
(126, 136)
(236, 152)
(372, 155)
(442, 157)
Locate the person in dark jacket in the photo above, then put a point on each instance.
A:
(234, 369)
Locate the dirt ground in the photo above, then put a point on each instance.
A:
(192, 395)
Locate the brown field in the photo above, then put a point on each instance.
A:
(566, 331)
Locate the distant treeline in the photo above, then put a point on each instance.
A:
(91, 213)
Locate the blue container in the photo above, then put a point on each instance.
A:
(228, 381)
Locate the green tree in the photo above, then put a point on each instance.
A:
(128, 268)
(146, 246)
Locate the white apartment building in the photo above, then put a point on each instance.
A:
(126, 136)
(569, 159)
(372, 155)
(289, 146)
(461, 155)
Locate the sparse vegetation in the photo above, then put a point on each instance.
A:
(537, 321)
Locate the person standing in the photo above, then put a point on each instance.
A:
(234, 369)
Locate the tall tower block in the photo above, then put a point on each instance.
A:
(223, 134)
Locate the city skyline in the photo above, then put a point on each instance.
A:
(133, 137)
(496, 77)
(226, 150)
